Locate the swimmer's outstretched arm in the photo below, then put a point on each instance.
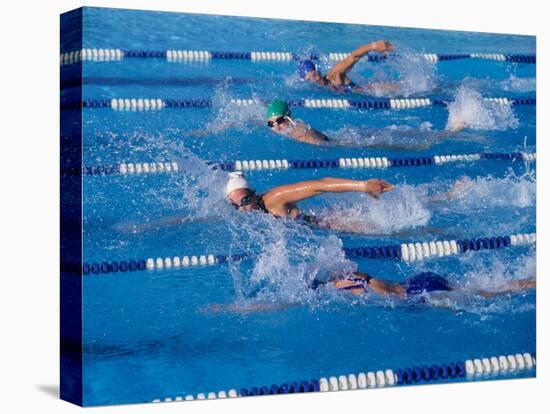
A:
(342, 67)
(452, 130)
(515, 286)
(291, 193)
(458, 189)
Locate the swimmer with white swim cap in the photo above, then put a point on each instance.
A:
(281, 201)
(336, 79)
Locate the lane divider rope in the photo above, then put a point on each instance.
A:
(470, 370)
(173, 55)
(407, 252)
(144, 168)
(156, 104)
(369, 162)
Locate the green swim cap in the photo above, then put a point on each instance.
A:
(277, 108)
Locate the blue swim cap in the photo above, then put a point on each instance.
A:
(426, 281)
(304, 67)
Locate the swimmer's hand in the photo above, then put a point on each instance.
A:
(457, 126)
(375, 187)
(383, 46)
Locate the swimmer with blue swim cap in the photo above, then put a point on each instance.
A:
(336, 79)
(280, 121)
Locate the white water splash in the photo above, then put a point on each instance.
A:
(469, 109)
(401, 209)
(468, 193)
(397, 137)
(200, 186)
(228, 115)
(287, 257)
(281, 275)
(515, 84)
(481, 282)
(416, 74)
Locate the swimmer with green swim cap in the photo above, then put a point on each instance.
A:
(280, 121)
(336, 79)
(277, 108)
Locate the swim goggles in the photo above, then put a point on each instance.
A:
(280, 120)
(246, 200)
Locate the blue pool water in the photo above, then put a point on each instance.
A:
(151, 334)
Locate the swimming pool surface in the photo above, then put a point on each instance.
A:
(151, 334)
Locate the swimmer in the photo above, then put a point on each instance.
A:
(459, 189)
(359, 283)
(280, 120)
(336, 79)
(281, 201)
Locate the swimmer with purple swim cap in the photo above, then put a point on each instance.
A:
(336, 79)
(359, 283)
(414, 288)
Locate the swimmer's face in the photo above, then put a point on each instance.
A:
(277, 123)
(243, 199)
(313, 76)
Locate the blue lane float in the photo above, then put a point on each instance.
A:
(167, 167)
(407, 252)
(469, 370)
(156, 104)
(184, 56)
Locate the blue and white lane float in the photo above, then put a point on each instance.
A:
(170, 167)
(407, 252)
(174, 55)
(470, 370)
(370, 162)
(157, 104)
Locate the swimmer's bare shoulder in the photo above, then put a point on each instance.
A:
(337, 78)
(304, 133)
(314, 137)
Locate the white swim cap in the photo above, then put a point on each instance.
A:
(236, 180)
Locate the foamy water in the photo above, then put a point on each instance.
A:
(517, 84)
(470, 109)
(467, 193)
